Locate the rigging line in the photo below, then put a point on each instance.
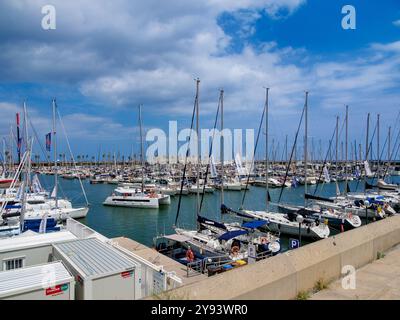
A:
(71, 154)
(37, 138)
(391, 154)
(254, 154)
(325, 161)
(185, 166)
(367, 153)
(291, 154)
(210, 153)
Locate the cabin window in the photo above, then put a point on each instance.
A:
(15, 263)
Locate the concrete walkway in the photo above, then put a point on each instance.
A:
(375, 281)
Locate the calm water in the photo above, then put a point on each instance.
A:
(143, 224)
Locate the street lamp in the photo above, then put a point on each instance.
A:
(366, 203)
(300, 220)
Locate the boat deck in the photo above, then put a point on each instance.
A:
(154, 257)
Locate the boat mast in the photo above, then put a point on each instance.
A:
(28, 173)
(141, 145)
(305, 147)
(222, 146)
(389, 141)
(378, 146)
(266, 148)
(55, 153)
(346, 150)
(198, 148)
(366, 152)
(336, 151)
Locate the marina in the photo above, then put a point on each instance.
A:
(217, 150)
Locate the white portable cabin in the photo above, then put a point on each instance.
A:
(101, 272)
(29, 249)
(50, 281)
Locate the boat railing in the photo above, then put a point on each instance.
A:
(194, 268)
(263, 255)
(215, 262)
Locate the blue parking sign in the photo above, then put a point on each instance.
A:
(294, 243)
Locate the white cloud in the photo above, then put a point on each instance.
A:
(396, 23)
(128, 52)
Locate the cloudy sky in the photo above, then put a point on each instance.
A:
(106, 57)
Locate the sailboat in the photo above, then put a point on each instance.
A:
(279, 222)
(128, 196)
(335, 217)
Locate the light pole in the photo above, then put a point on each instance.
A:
(300, 220)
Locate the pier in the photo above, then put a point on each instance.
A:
(286, 275)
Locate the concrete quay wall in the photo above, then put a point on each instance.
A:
(287, 274)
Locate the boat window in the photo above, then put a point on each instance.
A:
(132, 200)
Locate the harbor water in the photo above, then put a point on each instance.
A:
(143, 225)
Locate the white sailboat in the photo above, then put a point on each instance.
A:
(129, 196)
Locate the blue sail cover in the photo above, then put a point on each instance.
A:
(210, 222)
(232, 234)
(255, 224)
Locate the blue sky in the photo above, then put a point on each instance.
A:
(104, 59)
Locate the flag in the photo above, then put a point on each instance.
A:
(19, 140)
(48, 141)
(326, 175)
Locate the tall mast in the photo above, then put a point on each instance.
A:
(141, 145)
(222, 146)
(55, 153)
(198, 147)
(366, 152)
(378, 156)
(286, 148)
(305, 147)
(27, 147)
(346, 149)
(266, 147)
(367, 140)
(389, 142)
(337, 150)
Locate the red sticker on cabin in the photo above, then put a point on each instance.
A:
(53, 291)
(126, 274)
(56, 290)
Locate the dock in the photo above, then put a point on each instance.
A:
(157, 258)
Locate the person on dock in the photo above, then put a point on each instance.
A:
(189, 255)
